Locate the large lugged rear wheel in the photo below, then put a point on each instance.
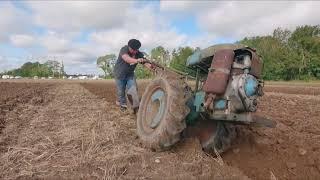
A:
(162, 112)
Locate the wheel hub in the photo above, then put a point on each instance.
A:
(156, 108)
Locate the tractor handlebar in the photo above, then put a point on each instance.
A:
(152, 63)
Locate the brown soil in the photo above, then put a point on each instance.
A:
(60, 129)
(14, 94)
(78, 135)
(289, 151)
(293, 89)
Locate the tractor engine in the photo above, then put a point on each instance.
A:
(236, 89)
(231, 86)
(242, 93)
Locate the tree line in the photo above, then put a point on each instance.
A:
(287, 55)
(50, 68)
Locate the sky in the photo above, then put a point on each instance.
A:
(77, 32)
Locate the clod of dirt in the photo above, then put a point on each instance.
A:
(280, 141)
(36, 100)
(302, 151)
(236, 151)
(291, 165)
(272, 176)
(318, 167)
(312, 162)
(262, 141)
(191, 146)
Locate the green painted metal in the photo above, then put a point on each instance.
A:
(199, 55)
(158, 96)
(193, 115)
(220, 104)
(194, 58)
(199, 100)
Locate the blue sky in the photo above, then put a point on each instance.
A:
(77, 32)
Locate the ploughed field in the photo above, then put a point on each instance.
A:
(73, 129)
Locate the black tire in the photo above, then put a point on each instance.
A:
(161, 121)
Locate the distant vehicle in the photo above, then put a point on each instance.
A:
(18, 77)
(11, 77)
(43, 78)
(49, 77)
(5, 77)
(35, 77)
(95, 77)
(83, 77)
(70, 77)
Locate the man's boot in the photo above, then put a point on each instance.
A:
(123, 108)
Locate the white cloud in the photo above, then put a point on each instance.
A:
(78, 15)
(113, 40)
(141, 23)
(188, 6)
(55, 43)
(108, 25)
(3, 59)
(12, 20)
(237, 19)
(22, 40)
(9, 63)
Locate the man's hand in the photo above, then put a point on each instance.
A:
(140, 60)
(150, 66)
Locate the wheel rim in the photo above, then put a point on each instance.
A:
(155, 109)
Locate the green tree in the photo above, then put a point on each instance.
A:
(142, 73)
(62, 72)
(272, 53)
(289, 55)
(282, 35)
(30, 69)
(106, 64)
(305, 41)
(161, 55)
(179, 58)
(54, 67)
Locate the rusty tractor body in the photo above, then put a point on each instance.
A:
(225, 95)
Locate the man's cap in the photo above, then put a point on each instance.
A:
(134, 44)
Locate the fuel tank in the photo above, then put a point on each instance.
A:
(219, 72)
